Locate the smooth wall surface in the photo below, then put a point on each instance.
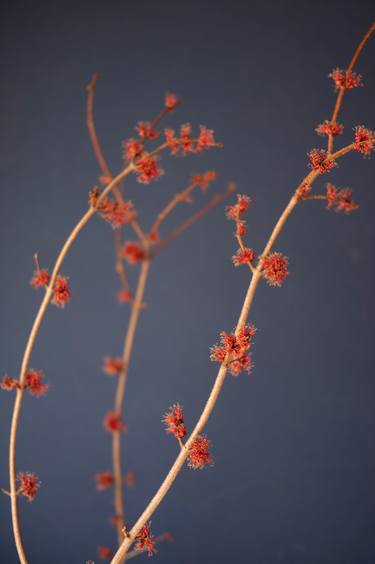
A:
(293, 480)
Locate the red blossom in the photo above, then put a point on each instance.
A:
(345, 79)
(364, 140)
(243, 256)
(133, 252)
(205, 139)
(241, 228)
(340, 200)
(172, 141)
(104, 480)
(131, 149)
(234, 212)
(185, 143)
(105, 553)
(61, 292)
(29, 484)
(112, 365)
(145, 540)
(116, 213)
(145, 130)
(40, 278)
(330, 128)
(113, 422)
(275, 268)
(33, 382)
(148, 169)
(124, 296)
(233, 349)
(321, 161)
(203, 180)
(7, 383)
(174, 421)
(171, 101)
(199, 455)
(129, 478)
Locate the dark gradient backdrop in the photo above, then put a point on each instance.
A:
(293, 480)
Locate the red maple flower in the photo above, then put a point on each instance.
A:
(320, 160)
(199, 455)
(133, 252)
(104, 480)
(148, 169)
(233, 349)
(33, 382)
(275, 268)
(131, 149)
(146, 131)
(145, 540)
(241, 228)
(112, 365)
(124, 296)
(29, 484)
(330, 128)
(205, 139)
(129, 478)
(171, 101)
(186, 141)
(364, 140)
(61, 292)
(40, 278)
(340, 200)
(172, 141)
(234, 212)
(113, 422)
(105, 553)
(116, 213)
(174, 421)
(243, 256)
(7, 383)
(203, 180)
(345, 79)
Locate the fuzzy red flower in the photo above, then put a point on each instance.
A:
(340, 200)
(145, 540)
(129, 478)
(33, 382)
(116, 213)
(185, 143)
(321, 161)
(171, 101)
(7, 383)
(124, 296)
(113, 422)
(61, 292)
(174, 421)
(112, 365)
(172, 141)
(345, 79)
(203, 180)
(40, 278)
(330, 128)
(275, 268)
(234, 212)
(199, 455)
(105, 553)
(245, 256)
(364, 140)
(104, 480)
(131, 149)
(148, 169)
(145, 130)
(205, 139)
(133, 252)
(234, 349)
(29, 484)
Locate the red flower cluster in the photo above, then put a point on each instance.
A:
(145, 540)
(146, 131)
(199, 455)
(33, 382)
(148, 169)
(233, 349)
(174, 421)
(104, 480)
(203, 180)
(131, 149)
(275, 268)
(129, 478)
(235, 212)
(185, 144)
(364, 140)
(61, 292)
(320, 160)
(112, 365)
(133, 252)
(8, 384)
(340, 200)
(345, 79)
(171, 101)
(243, 256)
(124, 297)
(105, 553)
(40, 278)
(115, 212)
(29, 484)
(330, 128)
(113, 422)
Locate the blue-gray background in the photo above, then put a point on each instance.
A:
(293, 479)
